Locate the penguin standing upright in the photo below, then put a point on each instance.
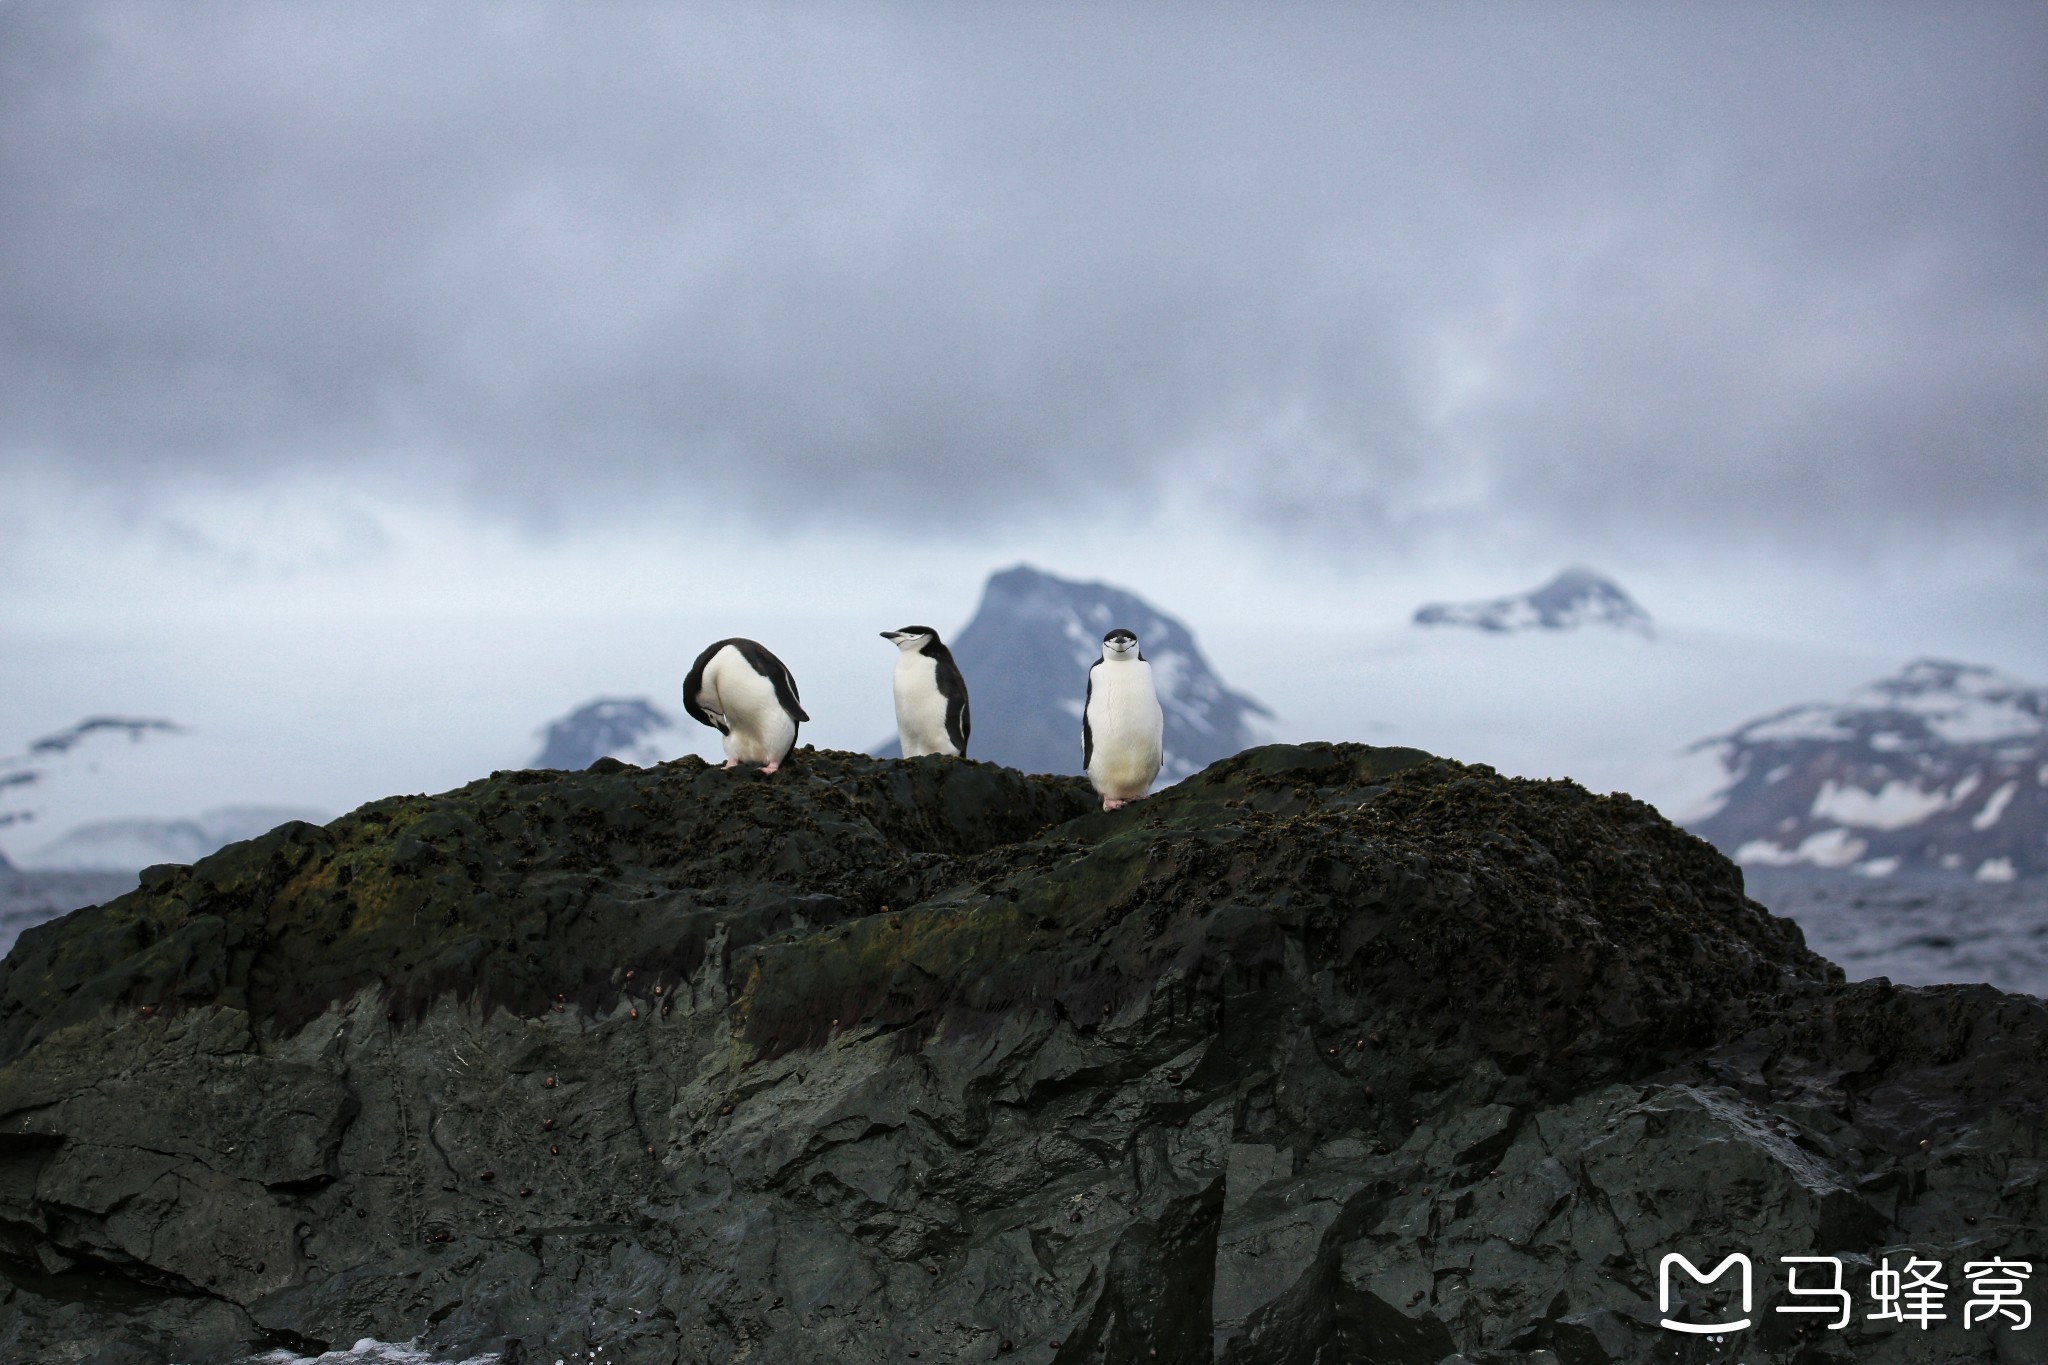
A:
(931, 696)
(745, 693)
(1122, 727)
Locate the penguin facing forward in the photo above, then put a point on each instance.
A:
(1122, 727)
(745, 693)
(931, 696)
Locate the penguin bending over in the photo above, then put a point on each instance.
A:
(1122, 727)
(931, 696)
(747, 695)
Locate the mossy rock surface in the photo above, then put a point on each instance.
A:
(1328, 1053)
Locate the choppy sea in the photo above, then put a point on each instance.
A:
(29, 898)
(1918, 929)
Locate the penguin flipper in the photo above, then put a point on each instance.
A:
(953, 687)
(1088, 731)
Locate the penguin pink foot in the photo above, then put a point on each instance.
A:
(769, 770)
(730, 764)
(1114, 803)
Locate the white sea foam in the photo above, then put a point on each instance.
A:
(370, 1351)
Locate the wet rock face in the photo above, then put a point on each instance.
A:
(1328, 1053)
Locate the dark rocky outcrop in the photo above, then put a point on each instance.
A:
(1327, 1054)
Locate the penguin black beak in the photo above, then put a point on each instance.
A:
(889, 635)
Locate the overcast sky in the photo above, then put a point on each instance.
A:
(314, 298)
(1776, 267)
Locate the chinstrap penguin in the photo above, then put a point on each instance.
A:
(931, 696)
(745, 693)
(1122, 727)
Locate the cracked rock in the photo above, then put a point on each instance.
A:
(1327, 1053)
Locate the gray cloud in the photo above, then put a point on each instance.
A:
(1375, 267)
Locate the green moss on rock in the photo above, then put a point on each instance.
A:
(874, 1056)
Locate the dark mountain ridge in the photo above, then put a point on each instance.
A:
(1026, 656)
(627, 728)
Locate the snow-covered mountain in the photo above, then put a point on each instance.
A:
(1577, 597)
(1610, 709)
(39, 786)
(1941, 767)
(632, 729)
(66, 800)
(1026, 654)
(29, 779)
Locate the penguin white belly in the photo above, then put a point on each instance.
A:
(1127, 730)
(920, 706)
(757, 729)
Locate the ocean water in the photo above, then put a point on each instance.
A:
(1918, 929)
(29, 898)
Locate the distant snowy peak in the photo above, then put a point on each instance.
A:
(1577, 597)
(1942, 766)
(1026, 656)
(1931, 704)
(26, 778)
(629, 728)
(100, 727)
(61, 790)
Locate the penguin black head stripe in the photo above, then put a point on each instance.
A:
(1121, 643)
